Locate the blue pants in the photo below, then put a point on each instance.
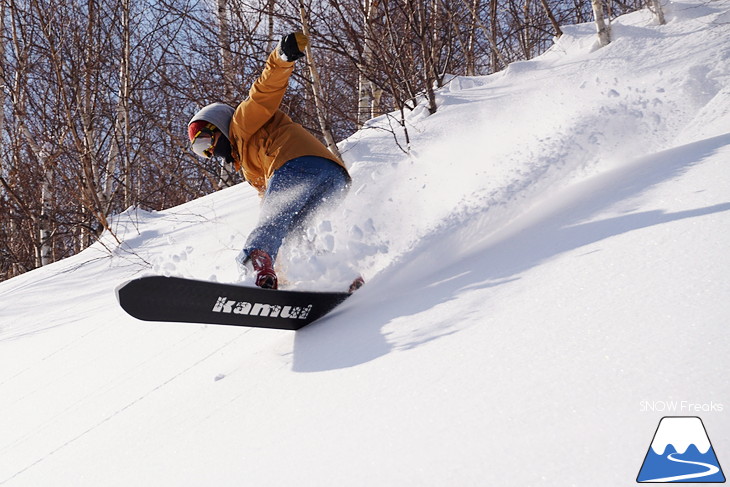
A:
(296, 192)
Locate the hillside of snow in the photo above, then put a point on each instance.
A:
(546, 277)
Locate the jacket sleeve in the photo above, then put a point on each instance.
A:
(265, 95)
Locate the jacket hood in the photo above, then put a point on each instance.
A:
(219, 114)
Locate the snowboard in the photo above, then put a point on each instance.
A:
(176, 299)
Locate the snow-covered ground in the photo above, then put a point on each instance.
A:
(547, 276)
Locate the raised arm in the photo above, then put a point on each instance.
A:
(268, 90)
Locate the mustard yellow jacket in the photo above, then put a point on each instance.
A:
(263, 138)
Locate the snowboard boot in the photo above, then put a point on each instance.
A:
(263, 266)
(356, 284)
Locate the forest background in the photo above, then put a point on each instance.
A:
(96, 94)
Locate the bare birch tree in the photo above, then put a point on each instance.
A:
(369, 94)
(553, 20)
(317, 88)
(602, 25)
(120, 140)
(656, 7)
(229, 95)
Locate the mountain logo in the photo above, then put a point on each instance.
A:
(681, 452)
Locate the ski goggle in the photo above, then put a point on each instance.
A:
(205, 140)
(204, 145)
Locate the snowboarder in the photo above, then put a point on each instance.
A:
(295, 174)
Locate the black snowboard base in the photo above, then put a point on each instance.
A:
(175, 299)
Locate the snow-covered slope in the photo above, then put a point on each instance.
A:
(547, 275)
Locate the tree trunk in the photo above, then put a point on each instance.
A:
(471, 69)
(492, 37)
(224, 42)
(604, 29)
(2, 70)
(366, 99)
(44, 223)
(118, 149)
(495, 56)
(553, 21)
(270, 12)
(421, 28)
(317, 89)
(656, 7)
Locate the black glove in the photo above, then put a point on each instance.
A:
(291, 46)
